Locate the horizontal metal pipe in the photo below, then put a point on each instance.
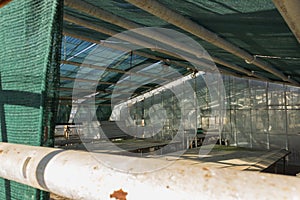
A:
(159, 10)
(109, 17)
(70, 103)
(90, 90)
(101, 82)
(118, 47)
(112, 70)
(290, 11)
(121, 48)
(134, 40)
(78, 175)
(66, 98)
(223, 71)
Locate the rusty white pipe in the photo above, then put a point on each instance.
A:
(186, 24)
(109, 17)
(290, 11)
(78, 175)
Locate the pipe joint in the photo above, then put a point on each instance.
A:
(251, 61)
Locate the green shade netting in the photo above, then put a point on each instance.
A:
(30, 34)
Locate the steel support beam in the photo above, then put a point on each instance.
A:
(161, 11)
(101, 82)
(290, 11)
(176, 63)
(113, 70)
(172, 62)
(122, 48)
(78, 175)
(168, 61)
(127, 24)
(141, 42)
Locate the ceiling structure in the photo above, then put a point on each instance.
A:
(243, 38)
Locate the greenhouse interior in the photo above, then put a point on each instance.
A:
(129, 99)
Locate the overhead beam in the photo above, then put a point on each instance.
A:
(290, 11)
(95, 98)
(109, 17)
(122, 48)
(97, 28)
(124, 37)
(70, 103)
(168, 61)
(100, 82)
(113, 46)
(91, 91)
(112, 70)
(161, 11)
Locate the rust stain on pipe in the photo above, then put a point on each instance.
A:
(119, 195)
(4, 2)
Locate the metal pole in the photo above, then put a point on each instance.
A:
(196, 111)
(251, 121)
(78, 175)
(158, 9)
(234, 109)
(230, 106)
(290, 11)
(220, 120)
(268, 115)
(127, 24)
(286, 119)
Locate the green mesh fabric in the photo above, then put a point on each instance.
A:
(29, 75)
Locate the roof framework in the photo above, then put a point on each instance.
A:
(244, 38)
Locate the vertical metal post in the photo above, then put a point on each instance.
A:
(173, 114)
(251, 125)
(234, 110)
(220, 112)
(230, 104)
(286, 118)
(196, 109)
(268, 115)
(185, 138)
(164, 122)
(136, 118)
(153, 125)
(207, 108)
(142, 119)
